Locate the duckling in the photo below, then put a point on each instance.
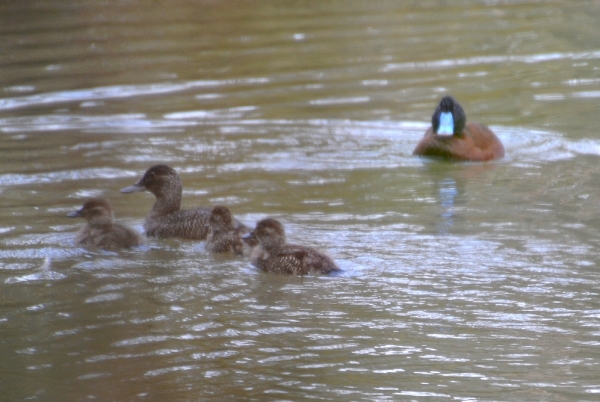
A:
(167, 219)
(273, 254)
(100, 230)
(223, 234)
(452, 137)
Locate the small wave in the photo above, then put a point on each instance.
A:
(38, 276)
(524, 144)
(13, 179)
(119, 91)
(495, 59)
(44, 273)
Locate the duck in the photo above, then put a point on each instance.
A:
(166, 218)
(101, 231)
(273, 254)
(451, 137)
(223, 234)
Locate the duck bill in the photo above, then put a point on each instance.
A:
(136, 188)
(446, 123)
(248, 237)
(74, 214)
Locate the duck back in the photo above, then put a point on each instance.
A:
(230, 241)
(186, 224)
(109, 238)
(292, 259)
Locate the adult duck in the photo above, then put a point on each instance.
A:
(166, 218)
(450, 136)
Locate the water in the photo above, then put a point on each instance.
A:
(461, 281)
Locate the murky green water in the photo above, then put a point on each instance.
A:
(462, 281)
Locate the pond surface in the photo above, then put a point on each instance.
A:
(461, 281)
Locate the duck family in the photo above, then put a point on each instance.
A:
(449, 137)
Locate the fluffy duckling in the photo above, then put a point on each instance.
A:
(450, 136)
(273, 254)
(167, 219)
(223, 234)
(100, 230)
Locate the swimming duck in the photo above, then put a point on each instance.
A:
(100, 230)
(167, 219)
(452, 137)
(223, 234)
(273, 254)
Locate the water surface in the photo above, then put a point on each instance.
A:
(461, 281)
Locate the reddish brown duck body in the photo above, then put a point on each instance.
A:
(450, 136)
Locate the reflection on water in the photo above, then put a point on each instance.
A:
(460, 280)
(448, 193)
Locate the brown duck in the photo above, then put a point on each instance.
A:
(273, 254)
(223, 234)
(101, 231)
(167, 219)
(450, 136)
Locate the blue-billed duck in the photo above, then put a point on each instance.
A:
(273, 254)
(223, 234)
(167, 219)
(450, 136)
(101, 231)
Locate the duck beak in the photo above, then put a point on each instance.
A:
(136, 188)
(75, 214)
(446, 123)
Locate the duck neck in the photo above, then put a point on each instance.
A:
(168, 200)
(101, 222)
(273, 244)
(222, 230)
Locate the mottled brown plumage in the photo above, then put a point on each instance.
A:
(273, 254)
(167, 219)
(100, 230)
(467, 141)
(223, 234)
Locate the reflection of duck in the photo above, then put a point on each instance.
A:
(101, 231)
(273, 255)
(166, 219)
(223, 235)
(452, 137)
(448, 192)
(454, 186)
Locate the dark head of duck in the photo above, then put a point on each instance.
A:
(449, 117)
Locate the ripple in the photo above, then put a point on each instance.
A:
(498, 59)
(106, 297)
(119, 91)
(58, 176)
(38, 276)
